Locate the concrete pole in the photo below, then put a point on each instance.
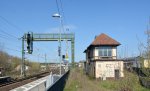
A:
(23, 59)
(60, 55)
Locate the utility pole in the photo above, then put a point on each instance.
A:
(39, 61)
(57, 15)
(23, 59)
(45, 61)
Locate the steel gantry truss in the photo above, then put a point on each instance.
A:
(48, 37)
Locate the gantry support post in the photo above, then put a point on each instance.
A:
(50, 37)
(23, 59)
(72, 51)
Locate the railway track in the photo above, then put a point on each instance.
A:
(6, 86)
(7, 83)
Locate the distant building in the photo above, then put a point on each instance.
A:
(44, 66)
(81, 64)
(18, 68)
(136, 62)
(101, 58)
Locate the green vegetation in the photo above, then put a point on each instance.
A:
(78, 81)
(11, 65)
(145, 57)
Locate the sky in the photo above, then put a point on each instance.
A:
(124, 20)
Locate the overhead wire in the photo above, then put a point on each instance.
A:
(57, 4)
(12, 49)
(10, 23)
(4, 36)
(66, 28)
(61, 14)
(62, 18)
(9, 35)
(8, 41)
(63, 22)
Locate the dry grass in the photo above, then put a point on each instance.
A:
(78, 81)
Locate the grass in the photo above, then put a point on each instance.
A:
(78, 81)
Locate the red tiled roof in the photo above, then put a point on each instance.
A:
(104, 39)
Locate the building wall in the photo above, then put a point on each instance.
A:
(92, 52)
(103, 69)
(147, 63)
(114, 52)
(92, 71)
(106, 69)
(95, 53)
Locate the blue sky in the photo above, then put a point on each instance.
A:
(123, 20)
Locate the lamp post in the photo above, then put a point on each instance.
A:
(56, 15)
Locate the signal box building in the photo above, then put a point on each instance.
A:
(101, 58)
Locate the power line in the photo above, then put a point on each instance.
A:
(8, 34)
(64, 17)
(10, 23)
(57, 4)
(59, 12)
(12, 49)
(7, 38)
(9, 42)
(61, 5)
(3, 36)
(63, 13)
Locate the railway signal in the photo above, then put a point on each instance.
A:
(30, 43)
(30, 37)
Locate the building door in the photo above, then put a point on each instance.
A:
(117, 74)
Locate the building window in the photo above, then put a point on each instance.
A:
(105, 51)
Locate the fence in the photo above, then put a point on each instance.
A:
(59, 84)
(52, 82)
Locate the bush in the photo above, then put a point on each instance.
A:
(145, 81)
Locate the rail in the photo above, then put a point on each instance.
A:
(6, 86)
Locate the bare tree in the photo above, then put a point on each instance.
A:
(146, 55)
